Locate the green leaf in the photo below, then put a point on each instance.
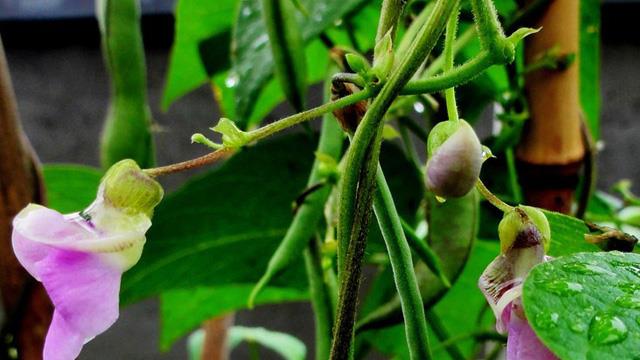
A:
(589, 60)
(225, 87)
(220, 228)
(184, 310)
(586, 306)
(289, 347)
(201, 45)
(70, 188)
(567, 235)
(252, 61)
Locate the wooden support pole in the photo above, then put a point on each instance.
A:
(26, 304)
(215, 340)
(551, 152)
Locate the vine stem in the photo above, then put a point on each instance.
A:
(457, 76)
(295, 119)
(449, 39)
(210, 158)
(261, 133)
(358, 182)
(494, 200)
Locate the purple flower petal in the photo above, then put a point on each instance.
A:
(83, 286)
(523, 343)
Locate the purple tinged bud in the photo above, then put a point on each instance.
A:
(455, 159)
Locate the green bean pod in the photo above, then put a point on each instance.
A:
(305, 222)
(287, 47)
(127, 129)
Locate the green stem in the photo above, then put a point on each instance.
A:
(489, 29)
(513, 175)
(350, 263)
(389, 15)
(358, 181)
(402, 266)
(491, 198)
(442, 334)
(450, 37)
(295, 119)
(438, 64)
(372, 120)
(320, 299)
(458, 76)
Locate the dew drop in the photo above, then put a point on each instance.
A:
(337, 23)
(246, 11)
(260, 42)
(585, 269)
(547, 320)
(578, 327)
(231, 81)
(562, 288)
(418, 107)
(628, 301)
(607, 329)
(629, 287)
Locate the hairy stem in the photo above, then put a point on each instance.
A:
(450, 37)
(361, 166)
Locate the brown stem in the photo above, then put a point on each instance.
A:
(207, 159)
(215, 339)
(25, 301)
(551, 152)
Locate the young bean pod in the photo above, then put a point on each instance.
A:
(127, 129)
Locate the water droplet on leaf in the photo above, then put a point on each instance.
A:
(562, 288)
(547, 320)
(629, 287)
(628, 301)
(584, 268)
(607, 329)
(578, 327)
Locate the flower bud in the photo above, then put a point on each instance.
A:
(126, 187)
(455, 159)
(523, 227)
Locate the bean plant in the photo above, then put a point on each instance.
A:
(377, 170)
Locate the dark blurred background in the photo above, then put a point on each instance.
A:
(53, 49)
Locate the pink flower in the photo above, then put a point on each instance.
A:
(80, 257)
(523, 235)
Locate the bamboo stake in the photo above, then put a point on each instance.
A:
(215, 340)
(552, 150)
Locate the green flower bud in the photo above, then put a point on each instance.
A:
(127, 188)
(357, 63)
(455, 159)
(523, 227)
